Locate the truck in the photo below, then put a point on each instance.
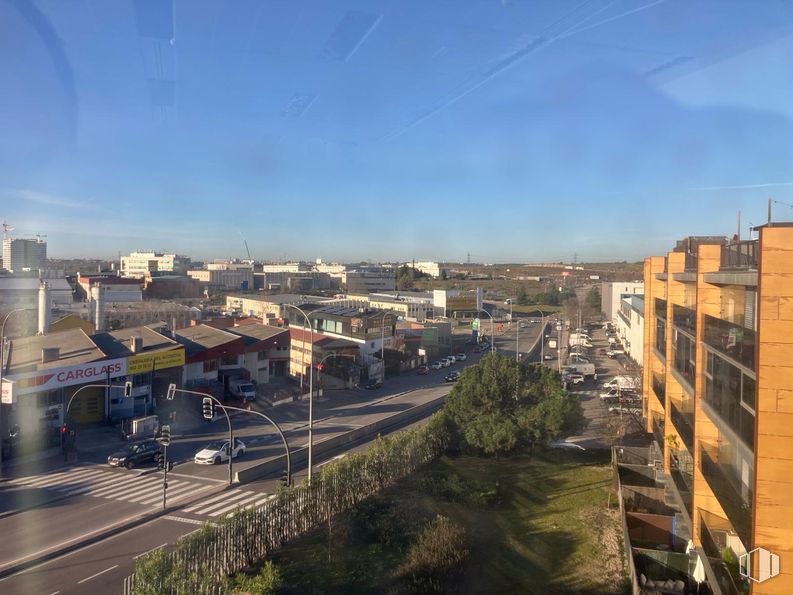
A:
(582, 368)
(622, 382)
(574, 340)
(243, 389)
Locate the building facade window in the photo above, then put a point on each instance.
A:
(730, 391)
(732, 340)
(683, 355)
(660, 336)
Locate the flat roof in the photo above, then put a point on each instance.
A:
(200, 337)
(32, 284)
(118, 343)
(256, 332)
(75, 347)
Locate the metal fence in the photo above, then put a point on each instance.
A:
(201, 561)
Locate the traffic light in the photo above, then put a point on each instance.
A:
(171, 392)
(160, 460)
(165, 435)
(209, 408)
(128, 389)
(284, 479)
(170, 465)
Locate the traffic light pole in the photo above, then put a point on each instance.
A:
(172, 390)
(280, 433)
(164, 474)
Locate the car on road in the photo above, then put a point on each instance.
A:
(423, 370)
(446, 363)
(573, 378)
(216, 452)
(135, 455)
(452, 376)
(624, 409)
(612, 353)
(436, 365)
(373, 383)
(461, 357)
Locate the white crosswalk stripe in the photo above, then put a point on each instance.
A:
(228, 503)
(99, 482)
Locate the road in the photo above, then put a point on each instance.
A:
(88, 498)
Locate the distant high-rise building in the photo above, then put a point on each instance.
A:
(21, 254)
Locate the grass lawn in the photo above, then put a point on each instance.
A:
(550, 532)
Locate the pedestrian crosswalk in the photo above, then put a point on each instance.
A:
(228, 502)
(145, 489)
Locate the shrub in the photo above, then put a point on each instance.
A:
(452, 487)
(267, 582)
(436, 557)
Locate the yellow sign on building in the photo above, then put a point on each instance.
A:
(146, 362)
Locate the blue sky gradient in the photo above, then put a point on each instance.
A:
(350, 130)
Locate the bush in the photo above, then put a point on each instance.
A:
(267, 582)
(455, 488)
(385, 522)
(436, 558)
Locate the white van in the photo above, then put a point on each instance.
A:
(243, 389)
(622, 382)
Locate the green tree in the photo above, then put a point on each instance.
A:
(593, 299)
(523, 298)
(499, 406)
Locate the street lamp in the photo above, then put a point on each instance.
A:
(280, 433)
(127, 393)
(2, 366)
(492, 333)
(172, 390)
(310, 390)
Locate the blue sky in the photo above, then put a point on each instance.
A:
(512, 130)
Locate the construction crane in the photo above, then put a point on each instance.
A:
(244, 241)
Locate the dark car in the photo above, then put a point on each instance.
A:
(372, 384)
(452, 376)
(135, 454)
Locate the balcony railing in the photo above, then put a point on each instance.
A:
(683, 482)
(739, 255)
(685, 318)
(737, 508)
(684, 424)
(659, 388)
(733, 340)
(713, 535)
(658, 431)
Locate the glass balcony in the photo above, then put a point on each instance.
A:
(685, 318)
(739, 255)
(723, 486)
(733, 340)
(684, 423)
(717, 536)
(659, 388)
(681, 469)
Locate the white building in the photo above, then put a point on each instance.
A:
(611, 295)
(630, 326)
(286, 267)
(370, 279)
(225, 275)
(140, 264)
(23, 292)
(24, 255)
(433, 269)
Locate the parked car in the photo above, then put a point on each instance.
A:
(446, 363)
(452, 376)
(612, 353)
(602, 351)
(216, 452)
(616, 393)
(461, 357)
(436, 365)
(135, 455)
(373, 383)
(423, 370)
(624, 409)
(573, 378)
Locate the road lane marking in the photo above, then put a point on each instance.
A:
(199, 477)
(97, 574)
(151, 550)
(206, 502)
(181, 519)
(229, 499)
(241, 504)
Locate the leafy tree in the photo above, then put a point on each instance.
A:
(593, 300)
(523, 298)
(267, 582)
(499, 406)
(407, 275)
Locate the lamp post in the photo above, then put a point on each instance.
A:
(310, 392)
(172, 390)
(127, 393)
(492, 332)
(542, 336)
(280, 433)
(382, 341)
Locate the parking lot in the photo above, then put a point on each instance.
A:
(604, 425)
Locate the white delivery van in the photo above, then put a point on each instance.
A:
(243, 389)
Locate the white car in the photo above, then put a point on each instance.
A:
(614, 352)
(436, 365)
(217, 452)
(446, 363)
(461, 357)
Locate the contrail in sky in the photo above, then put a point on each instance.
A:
(738, 187)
